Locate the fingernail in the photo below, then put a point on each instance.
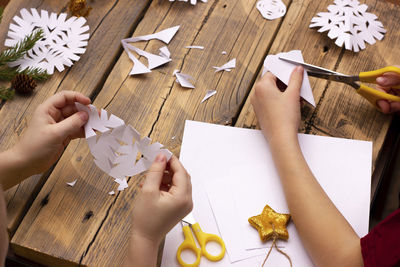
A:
(299, 69)
(381, 80)
(160, 158)
(83, 115)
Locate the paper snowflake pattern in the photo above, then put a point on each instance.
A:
(117, 148)
(64, 39)
(350, 24)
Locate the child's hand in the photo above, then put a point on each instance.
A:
(278, 113)
(166, 197)
(54, 123)
(385, 83)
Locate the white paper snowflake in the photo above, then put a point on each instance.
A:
(348, 22)
(64, 39)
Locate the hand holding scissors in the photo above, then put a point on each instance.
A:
(371, 94)
(202, 238)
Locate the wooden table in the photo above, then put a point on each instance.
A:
(58, 225)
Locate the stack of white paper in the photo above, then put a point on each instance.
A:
(233, 178)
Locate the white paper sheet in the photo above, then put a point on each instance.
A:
(271, 9)
(227, 66)
(193, 2)
(239, 159)
(350, 24)
(283, 70)
(184, 79)
(64, 39)
(209, 94)
(115, 146)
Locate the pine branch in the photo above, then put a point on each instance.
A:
(36, 73)
(17, 51)
(6, 93)
(7, 73)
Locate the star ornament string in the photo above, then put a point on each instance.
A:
(271, 225)
(350, 24)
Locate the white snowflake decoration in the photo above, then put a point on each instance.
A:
(348, 22)
(64, 39)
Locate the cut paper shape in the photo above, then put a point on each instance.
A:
(209, 94)
(271, 9)
(193, 2)
(283, 70)
(164, 36)
(111, 193)
(115, 146)
(184, 79)
(350, 24)
(164, 52)
(72, 183)
(227, 66)
(233, 188)
(195, 47)
(154, 60)
(64, 39)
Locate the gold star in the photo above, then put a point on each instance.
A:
(271, 224)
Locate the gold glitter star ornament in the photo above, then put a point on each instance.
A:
(270, 224)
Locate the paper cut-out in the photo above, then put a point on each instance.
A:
(184, 79)
(111, 193)
(64, 39)
(153, 60)
(283, 70)
(224, 52)
(193, 2)
(227, 66)
(115, 146)
(71, 184)
(194, 47)
(209, 94)
(271, 9)
(350, 24)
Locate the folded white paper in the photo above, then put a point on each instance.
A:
(350, 24)
(64, 39)
(116, 146)
(271, 9)
(184, 79)
(227, 66)
(283, 70)
(71, 184)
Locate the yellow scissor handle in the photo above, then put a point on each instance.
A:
(189, 244)
(373, 95)
(204, 238)
(370, 76)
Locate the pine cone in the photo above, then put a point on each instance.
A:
(23, 84)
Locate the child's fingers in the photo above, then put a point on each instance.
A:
(155, 174)
(64, 98)
(388, 79)
(296, 79)
(384, 106)
(71, 125)
(180, 178)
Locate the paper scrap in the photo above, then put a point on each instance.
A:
(72, 183)
(350, 24)
(154, 60)
(183, 79)
(164, 36)
(221, 149)
(115, 146)
(227, 66)
(64, 39)
(111, 193)
(283, 70)
(193, 2)
(164, 52)
(224, 52)
(194, 47)
(209, 94)
(271, 9)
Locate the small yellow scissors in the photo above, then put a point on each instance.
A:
(202, 238)
(371, 94)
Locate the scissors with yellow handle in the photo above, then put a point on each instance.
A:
(371, 94)
(202, 238)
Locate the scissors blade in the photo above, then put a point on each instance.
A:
(309, 67)
(189, 219)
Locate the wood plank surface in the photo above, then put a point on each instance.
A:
(58, 229)
(87, 76)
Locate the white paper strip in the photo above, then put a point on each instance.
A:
(283, 70)
(271, 9)
(350, 24)
(115, 146)
(209, 94)
(64, 39)
(195, 47)
(227, 66)
(184, 79)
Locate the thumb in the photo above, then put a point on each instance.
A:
(155, 174)
(388, 79)
(296, 79)
(71, 125)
